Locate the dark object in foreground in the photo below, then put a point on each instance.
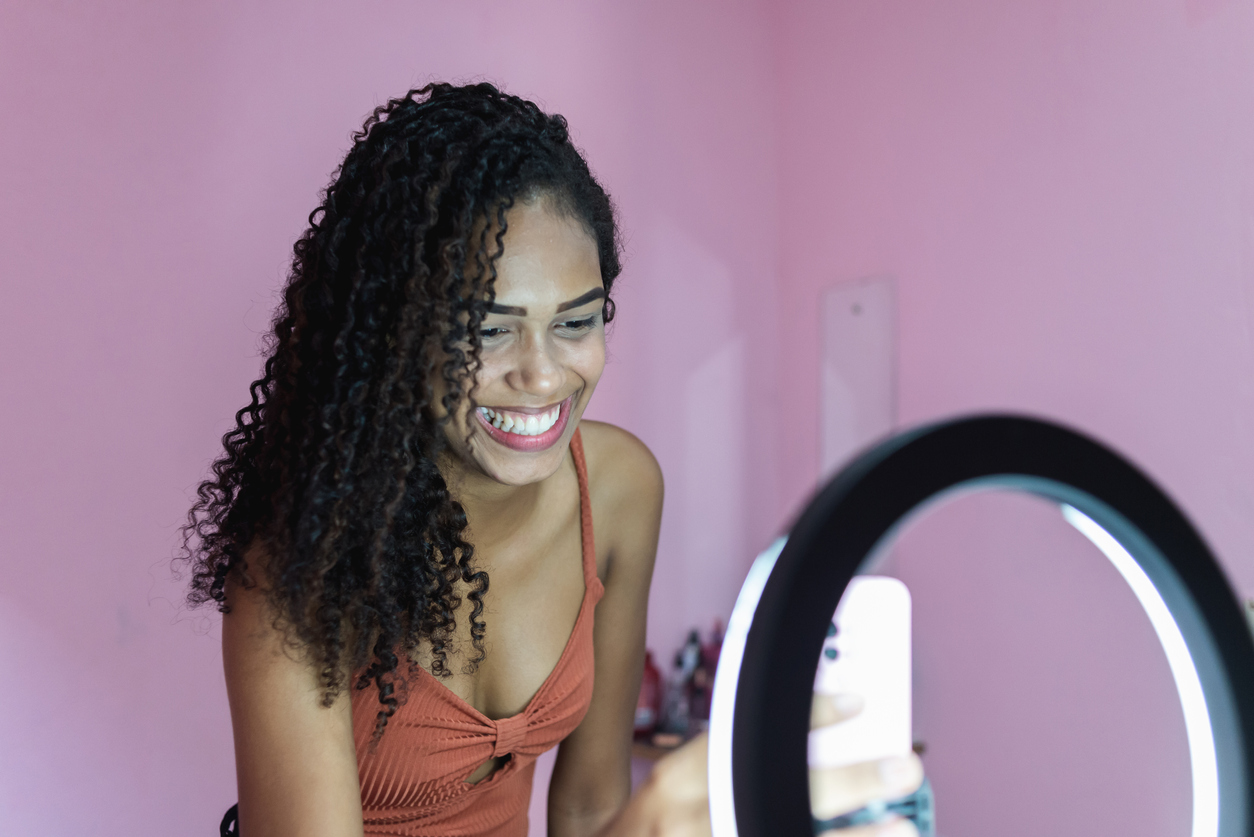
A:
(782, 634)
(230, 823)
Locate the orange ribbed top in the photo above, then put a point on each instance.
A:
(412, 784)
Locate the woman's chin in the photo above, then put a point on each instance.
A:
(517, 459)
(524, 469)
(507, 466)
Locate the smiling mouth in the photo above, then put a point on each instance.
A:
(522, 424)
(526, 431)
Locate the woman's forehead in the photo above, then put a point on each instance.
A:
(548, 259)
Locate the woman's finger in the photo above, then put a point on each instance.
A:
(839, 790)
(826, 710)
(895, 828)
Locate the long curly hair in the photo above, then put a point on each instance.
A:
(329, 479)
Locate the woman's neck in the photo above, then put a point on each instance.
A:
(494, 510)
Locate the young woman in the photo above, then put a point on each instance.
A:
(432, 570)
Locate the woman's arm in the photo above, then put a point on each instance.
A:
(294, 758)
(592, 777)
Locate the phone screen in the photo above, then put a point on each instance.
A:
(868, 654)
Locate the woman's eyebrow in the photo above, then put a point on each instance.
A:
(516, 311)
(595, 293)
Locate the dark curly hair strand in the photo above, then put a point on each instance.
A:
(330, 471)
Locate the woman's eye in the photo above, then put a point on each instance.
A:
(489, 333)
(581, 324)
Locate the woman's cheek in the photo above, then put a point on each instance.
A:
(492, 367)
(592, 359)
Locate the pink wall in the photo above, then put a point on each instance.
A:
(1040, 688)
(1063, 191)
(160, 158)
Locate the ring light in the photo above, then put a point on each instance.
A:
(762, 692)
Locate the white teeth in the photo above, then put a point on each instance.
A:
(523, 425)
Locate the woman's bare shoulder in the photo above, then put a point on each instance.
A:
(620, 466)
(625, 483)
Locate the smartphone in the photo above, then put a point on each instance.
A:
(867, 653)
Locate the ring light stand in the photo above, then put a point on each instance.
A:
(762, 692)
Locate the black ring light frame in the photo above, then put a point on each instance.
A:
(861, 509)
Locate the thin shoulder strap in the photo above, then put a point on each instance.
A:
(585, 511)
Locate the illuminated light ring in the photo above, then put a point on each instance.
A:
(761, 704)
(1204, 767)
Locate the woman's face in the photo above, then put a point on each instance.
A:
(543, 350)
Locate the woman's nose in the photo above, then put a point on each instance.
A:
(537, 371)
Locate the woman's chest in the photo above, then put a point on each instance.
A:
(534, 597)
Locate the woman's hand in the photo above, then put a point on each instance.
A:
(839, 790)
(674, 801)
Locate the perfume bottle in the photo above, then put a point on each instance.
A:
(649, 704)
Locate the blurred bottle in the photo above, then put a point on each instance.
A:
(677, 704)
(649, 704)
(689, 657)
(701, 683)
(711, 650)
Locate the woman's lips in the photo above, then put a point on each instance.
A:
(489, 418)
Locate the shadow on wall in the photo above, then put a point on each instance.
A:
(692, 351)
